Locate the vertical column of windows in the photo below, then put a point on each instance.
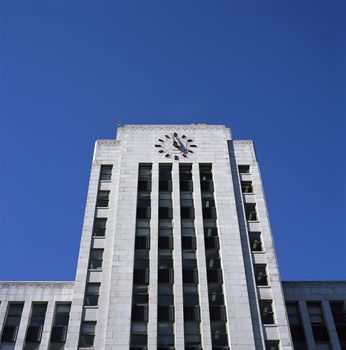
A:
(11, 326)
(218, 317)
(339, 316)
(256, 246)
(318, 325)
(92, 290)
(60, 324)
(189, 263)
(165, 310)
(35, 328)
(140, 298)
(296, 326)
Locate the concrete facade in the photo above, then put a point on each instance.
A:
(248, 303)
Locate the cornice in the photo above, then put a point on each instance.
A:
(194, 127)
(38, 284)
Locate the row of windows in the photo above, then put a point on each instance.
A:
(318, 324)
(35, 326)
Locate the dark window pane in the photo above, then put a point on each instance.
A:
(142, 242)
(267, 314)
(250, 212)
(165, 313)
(187, 212)
(165, 276)
(261, 274)
(99, 228)
(139, 313)
(191, 313)
(188, 243)
(102, 199)
(165, 242)
(140, 276)
(217, 313)
(106, 172)
(244, 169)
(255, 241)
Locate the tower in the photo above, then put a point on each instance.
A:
(176, 249)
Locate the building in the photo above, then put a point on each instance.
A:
(176, 253)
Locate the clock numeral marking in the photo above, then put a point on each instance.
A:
(158, 146)
(167, 136)
(183, 136)
(190, 151)
(184, 155)
(189, 140)
(167, 155)
(161, 140)
(175, 134)
(193, 146)
(176, 157)
(161, 151)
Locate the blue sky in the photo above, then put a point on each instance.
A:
(273, 71)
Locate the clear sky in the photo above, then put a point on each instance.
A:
(271, 70)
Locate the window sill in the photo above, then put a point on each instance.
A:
(101, 208)
(91, 307)
(270, 325)
(99, 237)
(253, 221)
(105, 181)
(95, 270)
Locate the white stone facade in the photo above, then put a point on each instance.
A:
(134, 145)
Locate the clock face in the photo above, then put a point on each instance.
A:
(175, 146)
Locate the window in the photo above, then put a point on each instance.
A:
(190, 276)
(34, 331)
(60, 323)
(165, 213)
(260, 274)
(267, 314)
(96, 257)
(165, 276)
(187, 212)
(99, 228)
(92, 294)
(14, 314)
(211, 242)
(142, 242)
(87, 334)
(165, 242)
(141, 276)
(106, 172)
(255, 241)
(217, 313)
(209, 213)
(244, 169)
(250, 212)
(246, 187)
(186, 186)
(140, 313)
(143, 213)
(214, 276)
(165, 186)
(191, 313)
(315, 313)
(188, 242)
(293, 313)
(165, 313)
(272, 345)
(102, 199)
